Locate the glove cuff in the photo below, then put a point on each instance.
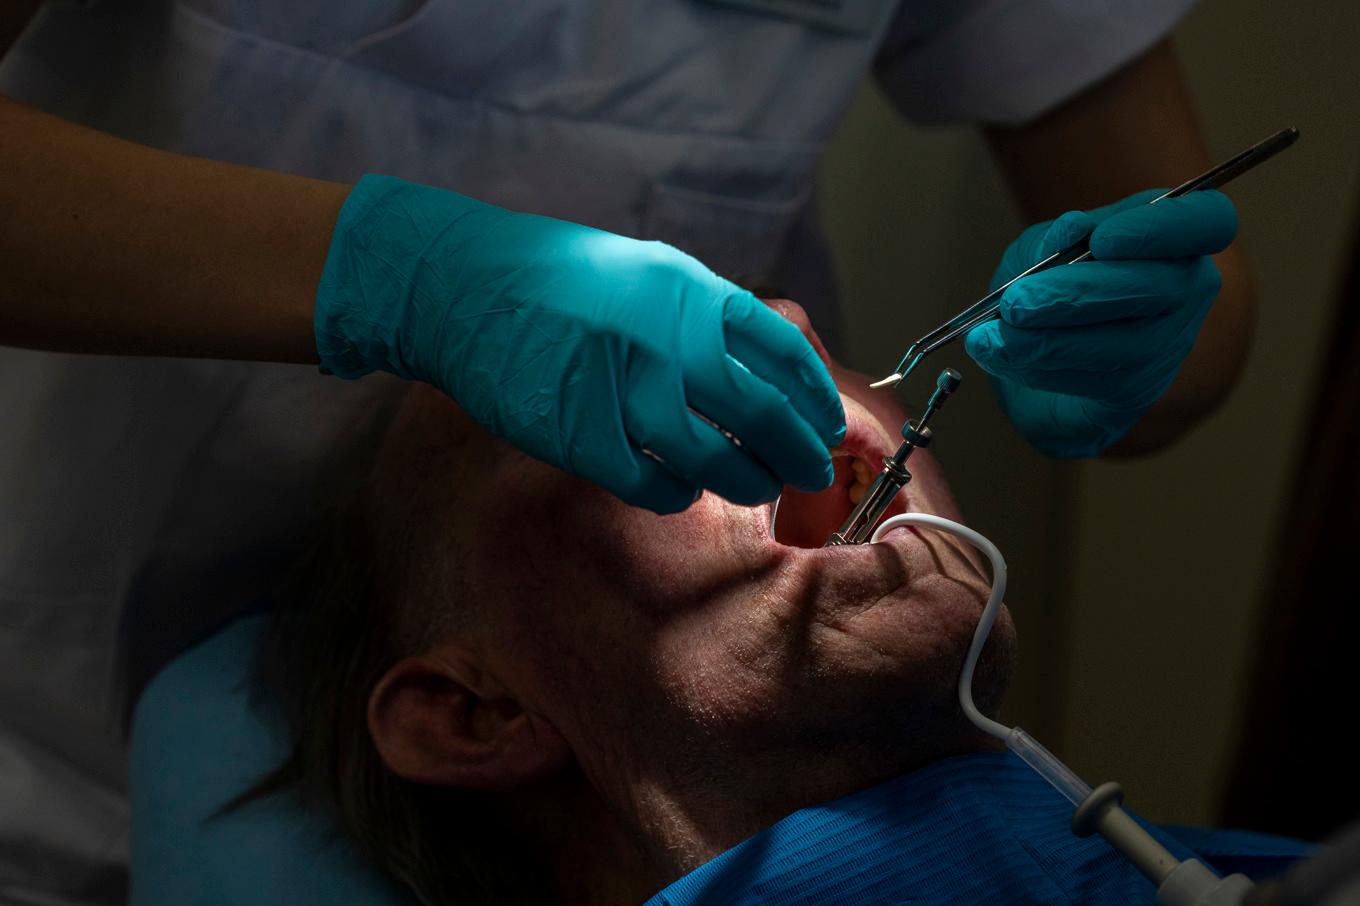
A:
(363, 320)
(333, 319)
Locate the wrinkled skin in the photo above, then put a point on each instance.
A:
(708, 679)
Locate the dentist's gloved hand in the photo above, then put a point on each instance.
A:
(1082, 351)
(582, 348)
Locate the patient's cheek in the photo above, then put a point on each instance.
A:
(672, 545)
(571, 536)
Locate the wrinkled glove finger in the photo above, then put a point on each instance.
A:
(1125, 346)
(659, 420)
(760, 416)
(648, 484)
(604, 454)
(1094, 291)
(1200, 223)
(1069, 427)
(1039, 241)
(1064, 232)
(586, 435)
(774, 350)
(986, 348)
(1102, 386)
(1135, 387)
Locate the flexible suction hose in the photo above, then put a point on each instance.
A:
(1017, 740)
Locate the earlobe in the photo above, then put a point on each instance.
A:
(439, 720)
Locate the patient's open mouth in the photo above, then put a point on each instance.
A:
(807, 520)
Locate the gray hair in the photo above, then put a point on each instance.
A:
(372, 590)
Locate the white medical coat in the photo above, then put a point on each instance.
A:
(142, 501)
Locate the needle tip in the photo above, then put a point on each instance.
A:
(891, 380)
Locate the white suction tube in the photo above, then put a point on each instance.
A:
(1017, 740)
(1179, 883)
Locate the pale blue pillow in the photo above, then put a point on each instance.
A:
(197, 741)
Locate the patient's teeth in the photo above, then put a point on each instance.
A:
(864, 478)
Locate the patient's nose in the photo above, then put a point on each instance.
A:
(799, 316)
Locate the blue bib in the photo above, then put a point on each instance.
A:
(980, 828)
(976, 829)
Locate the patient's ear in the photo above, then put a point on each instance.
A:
(436, 718)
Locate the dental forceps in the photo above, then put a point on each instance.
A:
(989, 306)
(894, 477)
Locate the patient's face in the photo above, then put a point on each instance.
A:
(702, 643)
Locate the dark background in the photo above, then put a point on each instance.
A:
(1145, 593)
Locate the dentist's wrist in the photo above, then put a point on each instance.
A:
(374, 311)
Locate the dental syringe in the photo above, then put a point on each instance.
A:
(894, 477)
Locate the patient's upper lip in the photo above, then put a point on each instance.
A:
(865, 438)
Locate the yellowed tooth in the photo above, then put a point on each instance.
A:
(857, 492)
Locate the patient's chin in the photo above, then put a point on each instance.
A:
(885, 683)
(923, 683)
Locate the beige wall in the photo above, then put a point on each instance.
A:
(1136, 641)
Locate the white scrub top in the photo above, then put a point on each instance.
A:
(143, 501)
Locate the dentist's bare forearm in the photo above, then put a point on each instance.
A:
(1136, 130)
(111, 247)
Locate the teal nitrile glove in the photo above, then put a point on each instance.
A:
(1082, 351)
(580, 347)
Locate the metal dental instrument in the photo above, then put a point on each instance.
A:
(987, 308)
(894, 476)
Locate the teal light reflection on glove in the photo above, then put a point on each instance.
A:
(583, 348)
(1082, 351)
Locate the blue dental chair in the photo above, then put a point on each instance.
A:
(197, 742)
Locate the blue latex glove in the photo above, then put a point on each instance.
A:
(580, 347)
(1083, 351)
